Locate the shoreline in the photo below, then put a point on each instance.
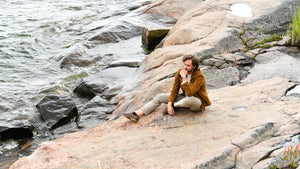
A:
(233, 138)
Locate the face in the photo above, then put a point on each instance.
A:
(188, 66)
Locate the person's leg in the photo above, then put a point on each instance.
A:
(153, 104)
(193, 103)
(148, 108)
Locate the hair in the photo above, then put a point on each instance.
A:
(195, 60)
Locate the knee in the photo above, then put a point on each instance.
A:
(157, 98)
(194, 104)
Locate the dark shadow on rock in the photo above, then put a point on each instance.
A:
(15, 133)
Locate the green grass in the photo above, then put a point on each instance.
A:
(272, 38)
(293, 31)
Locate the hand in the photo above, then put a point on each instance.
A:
(171, 111)
(183, 72)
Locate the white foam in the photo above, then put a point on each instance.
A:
(240, 9)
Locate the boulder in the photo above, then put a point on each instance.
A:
(107, 82)
(57, 110)
(95, 112)
(151, 37)
(77, 56)
(116, 31)
(84, 90)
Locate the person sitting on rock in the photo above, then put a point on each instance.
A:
(192, 82)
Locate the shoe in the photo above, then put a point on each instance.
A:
(131, 116)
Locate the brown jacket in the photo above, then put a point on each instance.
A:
(196, 87)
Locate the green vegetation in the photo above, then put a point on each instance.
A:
(80, 75)
(272, 38)
(245, 41)
(288, 159)
(293, 31)
(146, 50)
(258, 43)
(261, 44)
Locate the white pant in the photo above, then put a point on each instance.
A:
(193, 103)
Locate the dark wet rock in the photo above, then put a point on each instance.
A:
(57, 110)
(90, 87)
(15, 132)
(107, 83)
(112, 91)
(151, 37)
(77, 56)
(95, 112)
(96, 102)
(67, 128)
(114, 33)
(84, 90)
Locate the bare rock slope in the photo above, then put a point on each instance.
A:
(232, 132)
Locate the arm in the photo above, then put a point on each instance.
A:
(173, 94)
(191, 90)
(171, 111)
(175, 88)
